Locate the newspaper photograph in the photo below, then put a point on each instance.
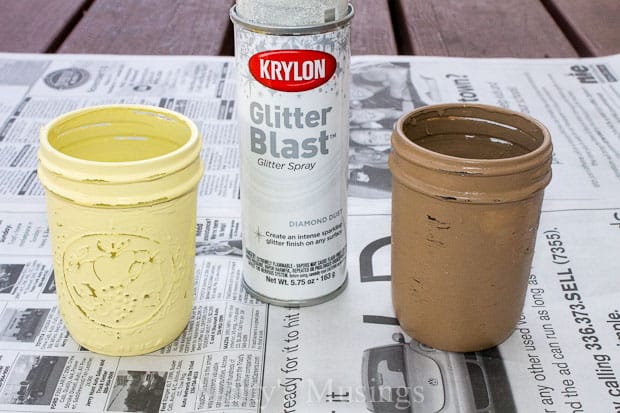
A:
(238, 354)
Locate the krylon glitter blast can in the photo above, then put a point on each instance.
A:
(292, 62)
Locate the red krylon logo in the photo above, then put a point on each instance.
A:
(292, 70)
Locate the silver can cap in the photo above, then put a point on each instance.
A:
(292, 13)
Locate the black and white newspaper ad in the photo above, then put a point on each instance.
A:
(238, 354)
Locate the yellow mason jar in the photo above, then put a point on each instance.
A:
(121, 185)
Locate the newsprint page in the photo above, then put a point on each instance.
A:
(347, 355)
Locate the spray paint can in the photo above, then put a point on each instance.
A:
(292, 61)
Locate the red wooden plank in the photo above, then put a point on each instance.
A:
(371, 30)
(36, 26)
(592, 26)
(153, 27)
(481, 28)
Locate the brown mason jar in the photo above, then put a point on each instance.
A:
(468, 183)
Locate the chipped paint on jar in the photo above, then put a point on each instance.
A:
(121, 197)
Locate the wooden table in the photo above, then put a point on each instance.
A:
(481, 28)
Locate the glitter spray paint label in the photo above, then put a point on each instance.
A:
(293, 119)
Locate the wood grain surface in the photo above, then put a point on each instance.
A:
(161, 27)
(481, 28)
(371, 30)
(37, 26)
(592, 26)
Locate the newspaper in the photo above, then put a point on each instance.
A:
(347, 355)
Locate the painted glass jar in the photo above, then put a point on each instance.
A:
(121, 184)
(468, 183)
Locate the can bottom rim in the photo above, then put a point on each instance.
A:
(297, 303)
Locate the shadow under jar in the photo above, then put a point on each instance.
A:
(468, 183)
